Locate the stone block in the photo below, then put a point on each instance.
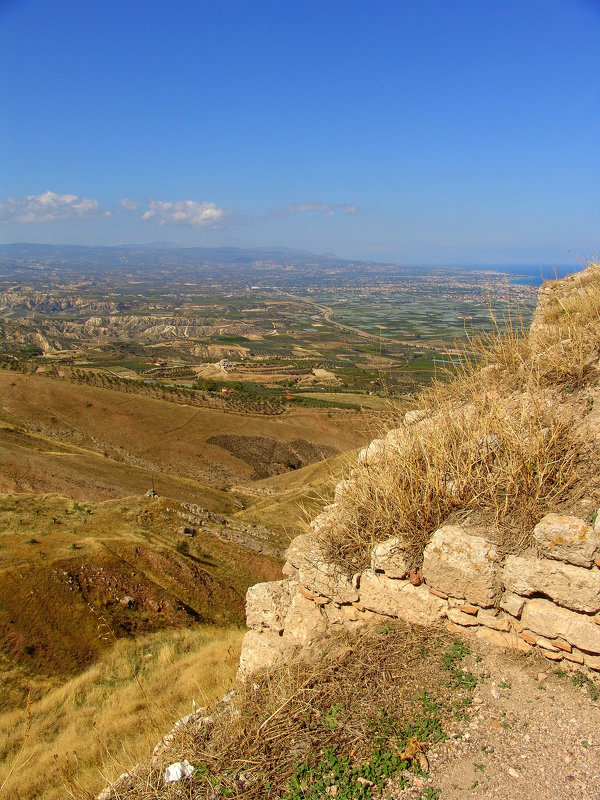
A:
(268, 603)
(400, 599)
(461, 565)
(567, 539)
(502, 639)
(569, 586)
(592, 662)
(512, 604)
(499, 622)
(553, 622)
(388, 557)
(305, 622)
(460, 618)
(305, 562)
(261, 650)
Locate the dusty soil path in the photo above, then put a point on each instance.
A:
(532, 734)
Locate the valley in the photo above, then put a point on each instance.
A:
(168, 423)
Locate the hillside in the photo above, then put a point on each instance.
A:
(97, 571)
(183, 444)
(449, 594)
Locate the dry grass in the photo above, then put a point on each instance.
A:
(365, 692)
(113, 713)
(496, 446)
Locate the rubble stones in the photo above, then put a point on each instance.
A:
(461, 565)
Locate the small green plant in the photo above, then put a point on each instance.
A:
(451, 661)
(331, 718)
(581, 679)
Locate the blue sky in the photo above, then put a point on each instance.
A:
(420, 132)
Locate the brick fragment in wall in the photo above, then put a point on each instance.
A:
(574, 657)
(564, 646)
(573, 587)
(553, 622)
(552, 656)
(528, 637)
(461, 565)
(443, 596)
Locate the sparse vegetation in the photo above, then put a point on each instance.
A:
(359, 718)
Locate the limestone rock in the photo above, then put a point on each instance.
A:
(343, 489)
(569, 586)
(373, 453)
(498, 622)
(260, 650)
(567, 539)
(416, 415)
(460, 618)
(388, 557)
(267, 604)
(512, 603)
(400, 599)
(304, 622)
(461, 565)
(553, 622)
(503, 639)
(305, 562)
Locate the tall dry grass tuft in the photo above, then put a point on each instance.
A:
(496, 444)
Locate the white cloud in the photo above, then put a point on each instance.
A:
(312, 207)
(185, 212)
(48, 207)
(129, 205)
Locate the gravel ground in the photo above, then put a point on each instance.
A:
(531, 734)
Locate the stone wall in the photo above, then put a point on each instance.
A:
(548, 598)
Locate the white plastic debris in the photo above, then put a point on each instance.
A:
(178, 770)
